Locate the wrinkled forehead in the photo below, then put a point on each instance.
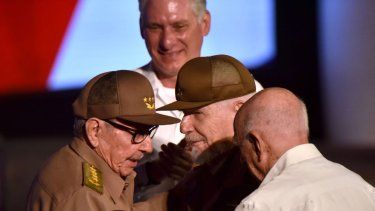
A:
(169, 6)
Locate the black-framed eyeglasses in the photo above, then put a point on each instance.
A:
(138, 136)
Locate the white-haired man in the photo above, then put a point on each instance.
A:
(209, 91)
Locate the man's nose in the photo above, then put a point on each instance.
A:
(146, 145)
(185, 125)
(168, 38)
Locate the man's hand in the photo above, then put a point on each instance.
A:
(175, 161)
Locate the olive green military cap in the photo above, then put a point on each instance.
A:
(121, 94)
(206, 80)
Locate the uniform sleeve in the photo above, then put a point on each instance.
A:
(82, 199)
(39, 199)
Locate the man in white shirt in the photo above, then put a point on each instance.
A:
(272, 132)
(173, 31)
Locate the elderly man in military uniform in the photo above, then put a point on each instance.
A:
(115, 120)
(209, 91)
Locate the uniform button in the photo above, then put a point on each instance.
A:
(126, 185)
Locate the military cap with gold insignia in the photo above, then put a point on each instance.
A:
(120, 94)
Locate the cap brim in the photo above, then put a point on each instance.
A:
(183, 105)
(151, 119)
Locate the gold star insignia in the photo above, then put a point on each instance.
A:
(150, 103)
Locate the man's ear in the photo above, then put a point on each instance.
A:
(237, 105)
(93, 128)
(255, 140)
(206, 23)
(262, 149)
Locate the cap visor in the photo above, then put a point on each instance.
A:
(151, 119)
(183, 105)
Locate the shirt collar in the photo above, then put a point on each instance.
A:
(292, 156)
(112, 182)
(151, 75)
(158, 87)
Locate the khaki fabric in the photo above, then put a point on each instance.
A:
(59, 184)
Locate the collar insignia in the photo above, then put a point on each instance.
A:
(92, 177)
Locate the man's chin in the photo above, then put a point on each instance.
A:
(169, 71)
(126, 172)
(169, 65)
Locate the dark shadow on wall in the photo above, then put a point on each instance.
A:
(296, 66)
(21, 159)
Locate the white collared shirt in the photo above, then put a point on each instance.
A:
(163, 96)
(302, 179)
(165, 133)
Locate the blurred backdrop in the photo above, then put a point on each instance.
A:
(323, 50)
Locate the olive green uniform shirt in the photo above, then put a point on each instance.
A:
(59, 185)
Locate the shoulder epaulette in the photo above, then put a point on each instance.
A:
(92, 177)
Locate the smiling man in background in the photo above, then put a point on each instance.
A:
(173, 31)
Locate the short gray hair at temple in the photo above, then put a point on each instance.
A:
(199, 7)
(79, 127)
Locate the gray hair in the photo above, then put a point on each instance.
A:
(229, 102)
(226, 106)
(78, 127)
(199, 7)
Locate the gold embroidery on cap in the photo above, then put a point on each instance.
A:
(92, 177)
(150, 103)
